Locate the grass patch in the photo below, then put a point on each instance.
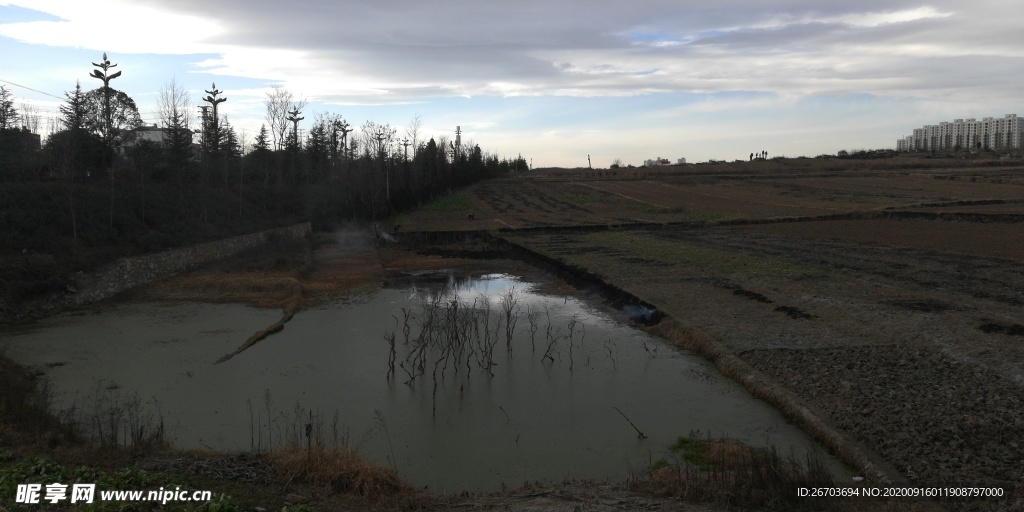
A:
(339, 469)
(586, 198)
(728, 472)
(639, 206)
(696, 258)
(702, 218)
(451, 203)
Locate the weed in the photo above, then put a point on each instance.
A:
(451, 203)
(337, 469)
(728, 472)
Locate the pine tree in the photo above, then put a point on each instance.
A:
(178, 144)
(261, 154)
(8, 114)
(74, 113)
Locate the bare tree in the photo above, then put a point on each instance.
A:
(378, 138)
(174, 105)
(279, 101)
(413, 131)
(30, 117)
(174, 108)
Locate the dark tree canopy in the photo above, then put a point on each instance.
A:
(124, 115)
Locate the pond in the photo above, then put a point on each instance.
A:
(470, 403)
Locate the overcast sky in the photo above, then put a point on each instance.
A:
(553, 80)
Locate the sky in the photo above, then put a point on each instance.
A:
(557, 82)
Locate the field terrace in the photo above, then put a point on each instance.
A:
(890, 300)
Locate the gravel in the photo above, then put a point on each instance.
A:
(938, 421)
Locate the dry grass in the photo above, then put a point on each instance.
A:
(729, 473)
(25, 408)
(340, 470)
(726, 471)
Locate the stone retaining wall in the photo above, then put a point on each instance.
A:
(127, 273)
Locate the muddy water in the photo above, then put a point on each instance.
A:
(535, 418)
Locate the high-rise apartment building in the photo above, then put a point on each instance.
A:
(989, 133)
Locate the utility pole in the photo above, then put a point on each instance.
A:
(108, 137)
(458, 141)
(405, 146)
(205, 116)
(293, 116)
(344, 128)
(213, 100)
(106, 77)
(380, 136)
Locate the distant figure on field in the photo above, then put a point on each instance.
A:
(471, 216)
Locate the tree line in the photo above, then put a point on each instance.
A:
(109, 179)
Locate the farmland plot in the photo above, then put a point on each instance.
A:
(898, 190)
(895, 343)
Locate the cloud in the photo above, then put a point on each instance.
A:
(123, 27)
(727, 57)
(401, 52)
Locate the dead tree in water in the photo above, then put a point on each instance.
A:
(509, 301)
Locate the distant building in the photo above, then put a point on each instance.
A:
(681, 161)
(657, 161)
(152, 134)
(989, 133)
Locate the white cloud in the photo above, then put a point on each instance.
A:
(115, 26)
(854, 19)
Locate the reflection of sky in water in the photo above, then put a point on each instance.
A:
(428, 286)
(472, 291)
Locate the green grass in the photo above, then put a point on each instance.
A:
(692, 451)
(451, 203)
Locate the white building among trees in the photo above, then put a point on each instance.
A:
(989, 133)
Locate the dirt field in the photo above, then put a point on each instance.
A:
(713, 193)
